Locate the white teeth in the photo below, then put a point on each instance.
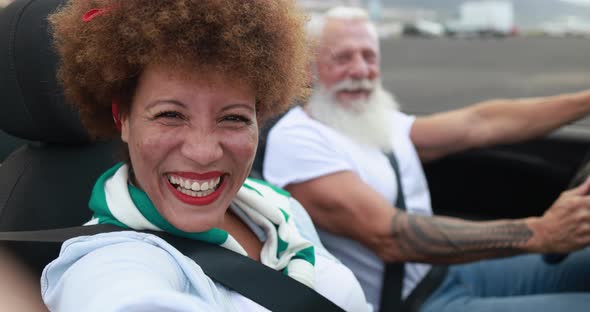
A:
(195, 188)
(194, 193)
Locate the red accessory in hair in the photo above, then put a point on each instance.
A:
(116, 116)
(92, 13)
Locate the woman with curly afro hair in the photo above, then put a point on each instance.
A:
(185, 84)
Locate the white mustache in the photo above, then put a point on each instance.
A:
(370, 125)
(354, 85)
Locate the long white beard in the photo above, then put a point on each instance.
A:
(369, 123)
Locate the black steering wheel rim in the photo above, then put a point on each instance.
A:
(581, 175)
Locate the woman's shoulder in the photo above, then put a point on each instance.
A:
(109, 243)
(107, 252)
(109, 265)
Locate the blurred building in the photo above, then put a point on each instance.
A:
(565, 26)
(395, 22)
(477, 18)
(390, 21)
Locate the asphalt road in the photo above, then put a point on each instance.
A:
(430, 75)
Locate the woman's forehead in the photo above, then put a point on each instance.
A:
(163, 79)
(201, 74)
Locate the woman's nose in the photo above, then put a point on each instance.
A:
(202, 147)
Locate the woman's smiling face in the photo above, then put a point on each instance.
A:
(192, 138)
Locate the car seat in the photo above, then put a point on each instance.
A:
(46, 183)
(8, 144)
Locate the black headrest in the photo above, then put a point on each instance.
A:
(32, 105)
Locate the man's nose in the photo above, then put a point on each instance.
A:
(359, 68)
(202, 147)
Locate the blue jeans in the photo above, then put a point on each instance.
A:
(522, 283)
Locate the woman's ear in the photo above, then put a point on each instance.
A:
(121, 121)
(124, 127)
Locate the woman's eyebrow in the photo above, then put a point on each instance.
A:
(239, 105)
(165, 101)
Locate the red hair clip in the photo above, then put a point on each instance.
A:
(92, 13)
(116, 115)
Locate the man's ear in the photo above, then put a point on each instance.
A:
(310, 75)
(124, 127)
(313, 74)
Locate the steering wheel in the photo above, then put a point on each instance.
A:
(581, 176)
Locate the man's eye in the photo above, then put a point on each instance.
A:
(342, 58)
(370, 57)
(168, 115)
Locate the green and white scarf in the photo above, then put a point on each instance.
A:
(115, 201)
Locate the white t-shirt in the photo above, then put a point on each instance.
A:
(300, 148)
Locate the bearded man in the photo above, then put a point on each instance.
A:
(344, 153)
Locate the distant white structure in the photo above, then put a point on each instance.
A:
(567, 26)
(390, 22)
(394, 21)
(484, 17)
(429, 28)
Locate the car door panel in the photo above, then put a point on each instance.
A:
(509, 181)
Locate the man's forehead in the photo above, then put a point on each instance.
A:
(338, 29)
(345, 32)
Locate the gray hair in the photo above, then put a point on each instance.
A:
(317, 23)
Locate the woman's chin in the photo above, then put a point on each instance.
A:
(196, 222)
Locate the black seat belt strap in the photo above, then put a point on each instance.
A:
(263, 285)
(391, 291)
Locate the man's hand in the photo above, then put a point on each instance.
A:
(565, 226)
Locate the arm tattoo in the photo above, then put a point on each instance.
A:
(453, 239)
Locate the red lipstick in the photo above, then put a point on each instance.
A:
(193, 200)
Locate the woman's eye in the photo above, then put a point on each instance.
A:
(168, 115)
(237, 119)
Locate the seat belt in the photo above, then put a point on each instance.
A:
(263, 285)
(391, 291)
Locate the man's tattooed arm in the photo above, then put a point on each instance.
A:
(449, 240)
